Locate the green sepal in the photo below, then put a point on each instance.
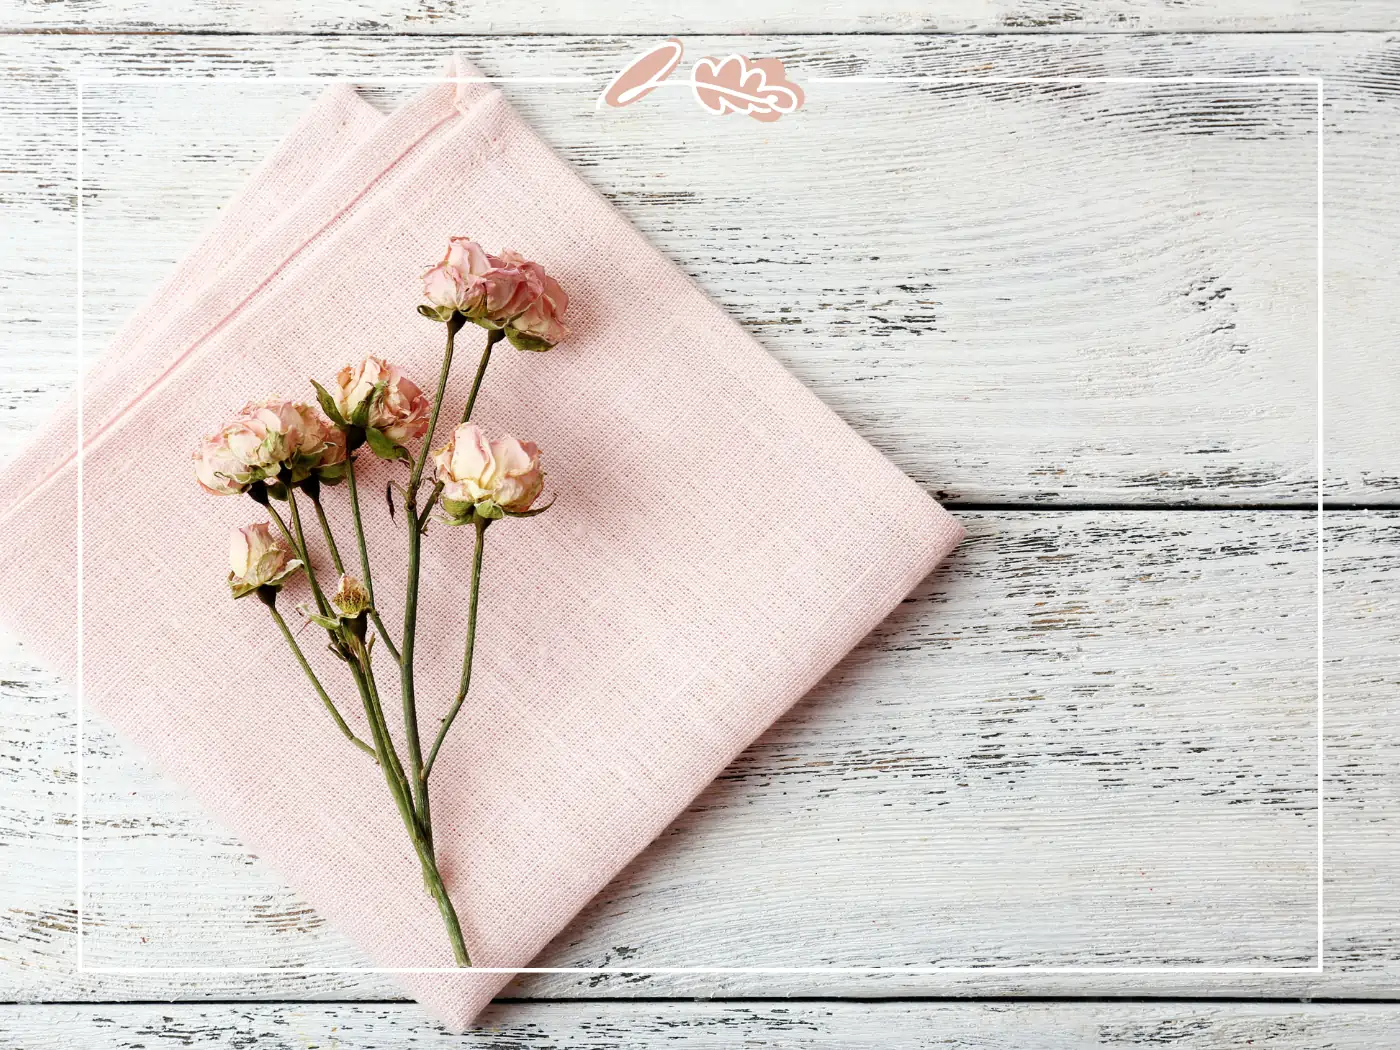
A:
(521, 341)
(436, 313)
(333, 474)
(243, 590)
(269, 589)
(488, 510)
(277, 490)
(456, 512)
(384, 448)
(528, 513)
(360, 417)
(328, 405)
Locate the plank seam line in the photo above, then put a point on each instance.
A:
(1203, 1000)
(1164, 508)
(18, 31)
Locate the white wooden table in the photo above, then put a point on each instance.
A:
(1077, 771)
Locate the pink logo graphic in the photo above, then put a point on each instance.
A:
(734, 84)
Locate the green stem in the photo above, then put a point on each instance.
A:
(410, 608)
(453, 327)
(432, 878)
(356, 646)
(445, 908)
(310, 674)
(432, 502)
(282, 528)
(384, 751)
(393, 768)
(364, 559)
(410, 709)
(493, 337)
(466, 682)
(326, 532)
(300, 543)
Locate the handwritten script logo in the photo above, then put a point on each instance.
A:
(758, 87)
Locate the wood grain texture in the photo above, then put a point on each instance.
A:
(695, 1026)
(724, 16)
(1089, 742)
(1044, 295)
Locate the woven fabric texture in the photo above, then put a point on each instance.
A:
(721, 539)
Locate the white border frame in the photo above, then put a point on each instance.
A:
(1317, 82)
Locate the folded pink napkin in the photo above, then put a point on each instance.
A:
(720, 538)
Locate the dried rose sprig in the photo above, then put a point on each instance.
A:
(505, 292)
(272, 450)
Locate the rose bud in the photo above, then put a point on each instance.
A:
(399, 409)
(351, 598)
(488, 478)
(258, 559)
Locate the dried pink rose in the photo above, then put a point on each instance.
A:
(257, 558)
(481, 286)
(219, 471)
(538, 327)
(448, 285)
(488, 477)
(265, 439)
(400, 410)
(505, 291)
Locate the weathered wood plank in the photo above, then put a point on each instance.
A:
(1089, 742)
(1051, 295)
(696, 1026)
(730, 16)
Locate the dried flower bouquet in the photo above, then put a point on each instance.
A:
(277, 451)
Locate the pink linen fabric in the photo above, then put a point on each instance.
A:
(720, 541)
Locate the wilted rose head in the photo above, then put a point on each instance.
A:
(488, 478)
(501, 292)
(539, 325)
(218, 469)
(376, 394)
(257, 558)
(265, 439)
(350, 597)
(452, 286)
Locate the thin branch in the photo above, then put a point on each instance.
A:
(320, 690)
(364, 560)
(432, 502)
(467, 656)
(493, 337)
(410, 608)
(302, 550)
(330, 537)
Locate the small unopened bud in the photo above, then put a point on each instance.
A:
(351, 598)
(258, 559)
